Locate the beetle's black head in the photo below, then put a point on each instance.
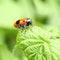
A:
(29, 22)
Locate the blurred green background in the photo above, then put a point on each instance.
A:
(44, 13)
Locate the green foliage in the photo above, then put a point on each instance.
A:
(5, 54)
(38, 44)
(44, 13)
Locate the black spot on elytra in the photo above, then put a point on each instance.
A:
(17, 22)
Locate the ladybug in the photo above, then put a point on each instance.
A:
(23, 22)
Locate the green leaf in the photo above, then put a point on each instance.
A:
(37, 44)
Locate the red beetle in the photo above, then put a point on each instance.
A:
(23, 22)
